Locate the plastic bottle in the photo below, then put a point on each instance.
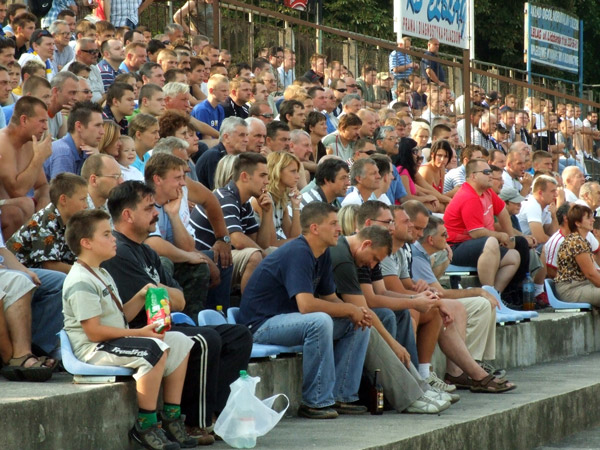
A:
(528, 294)
(246, 430)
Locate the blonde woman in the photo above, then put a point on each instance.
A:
(347, 219)
(284, 173)
(224, 171)
(420, 133)
(110, 143)
(143, 128)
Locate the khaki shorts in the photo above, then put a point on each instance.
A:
(13, 286)
(142, 353)
(240, 261)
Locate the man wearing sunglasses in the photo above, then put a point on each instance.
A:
(42, 50)
(472, 235)
(338, 86)
(86, 52)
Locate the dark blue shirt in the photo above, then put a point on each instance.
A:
(435, 66)
(290, 270)
(207, 165)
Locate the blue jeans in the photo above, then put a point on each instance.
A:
(219, 295)
(399, 325)
(333, 354)
(46, 309)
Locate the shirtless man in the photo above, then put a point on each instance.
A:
(23, 185)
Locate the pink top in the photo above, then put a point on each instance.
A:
(411, 184)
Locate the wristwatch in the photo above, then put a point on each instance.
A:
(225, 239)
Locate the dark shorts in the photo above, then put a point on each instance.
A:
(468, 252)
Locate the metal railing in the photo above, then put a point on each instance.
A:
(247, 27)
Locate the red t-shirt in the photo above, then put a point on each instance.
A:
(468, 211)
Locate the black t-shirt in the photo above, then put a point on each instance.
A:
(366, 275)
(134, 266)
(233, 109)
(345, 272)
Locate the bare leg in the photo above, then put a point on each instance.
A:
(18, 320)
(508, 267)
(148, 386)
(6, 350)
(428, 333)
(253, 263)
(489, 262)
(173, 384)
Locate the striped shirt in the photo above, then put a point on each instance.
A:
(108, 73)
(238, 217)
(122, 10)
(399, 59)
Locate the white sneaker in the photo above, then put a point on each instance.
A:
(436, 397)
(424, 405)
(446, 396)
(436, 382)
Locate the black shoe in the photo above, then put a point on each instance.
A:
(349, 408)
(153, 438)
(317, 413)
(176, 432)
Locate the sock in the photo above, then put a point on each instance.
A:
(172, 411)
(146, 418)
(539, 288)
(424, 370)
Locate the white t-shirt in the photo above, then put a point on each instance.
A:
(131, 173)
(553, 245)
(509, 181)
(569, 196)
(531, 211)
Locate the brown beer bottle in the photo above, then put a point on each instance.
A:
(376, 395)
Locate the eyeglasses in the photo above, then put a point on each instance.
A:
(387, 222)
(91, 52)
(116, 176)
(484, 171)
(267, 116)
(341, 90)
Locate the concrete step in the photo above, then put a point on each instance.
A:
(552, 400)
(61, 415)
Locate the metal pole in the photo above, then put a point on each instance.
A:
(217, 24)
(527, 30)
(466, 82)
(170, 5)
(580, 59)
(319, 20)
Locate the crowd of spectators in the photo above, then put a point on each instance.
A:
(327, 207)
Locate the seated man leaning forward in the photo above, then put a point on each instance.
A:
(290, 300)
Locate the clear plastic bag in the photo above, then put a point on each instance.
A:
(245, 417)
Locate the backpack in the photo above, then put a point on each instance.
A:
(40, 8)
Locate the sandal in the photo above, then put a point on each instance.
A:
(463, 381)
(16, 370)
(491, 385)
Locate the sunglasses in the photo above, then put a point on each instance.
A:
(484, 171)
(341, 90)
(91, 52)
(368, 152)
(267, 116)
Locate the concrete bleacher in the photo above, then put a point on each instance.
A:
(554, 359)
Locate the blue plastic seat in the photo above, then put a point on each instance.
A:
(211, 317)
(558, 304)
(504, 313)
(179, 318)
(262, 350)
(454, 270)
(77, 367)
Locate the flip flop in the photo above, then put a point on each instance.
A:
(15, 370)
(492, 385)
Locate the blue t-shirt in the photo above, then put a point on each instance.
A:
(204, 112)
(291, 269)
(396, 190)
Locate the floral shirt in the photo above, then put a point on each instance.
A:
(41, 239)
(568, 269)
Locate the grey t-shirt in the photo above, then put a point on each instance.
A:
(85, 297)
(396, 264)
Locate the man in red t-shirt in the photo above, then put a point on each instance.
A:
(469, 220)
